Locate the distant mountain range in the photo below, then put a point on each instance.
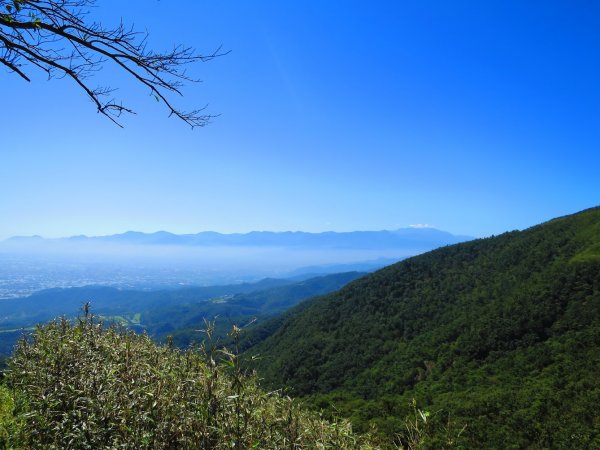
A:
(162, 259)
(413, 238)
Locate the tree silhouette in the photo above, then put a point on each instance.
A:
(58, 37)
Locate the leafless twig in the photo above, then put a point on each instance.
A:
(56, 37)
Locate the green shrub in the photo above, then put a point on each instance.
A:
(10, 421)
(92, 386)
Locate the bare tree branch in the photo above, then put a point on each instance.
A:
(56, 37)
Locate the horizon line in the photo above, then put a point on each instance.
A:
(409, 227)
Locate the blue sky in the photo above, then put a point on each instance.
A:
(474, 117)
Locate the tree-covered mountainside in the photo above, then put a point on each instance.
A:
(183, 320)
(500, 334)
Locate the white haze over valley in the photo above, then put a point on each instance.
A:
(31, 264)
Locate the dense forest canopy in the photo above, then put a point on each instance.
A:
(498, 334)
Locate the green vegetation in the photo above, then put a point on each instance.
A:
(499, 337)
(499, 334)
(10, 422)
(181, 321)
(175, 313)
(85, 385)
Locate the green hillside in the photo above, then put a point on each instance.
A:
(178, 313)
(500, 334)
(181, 321)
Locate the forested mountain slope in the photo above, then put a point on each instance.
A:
(500, 334)
(182, 321)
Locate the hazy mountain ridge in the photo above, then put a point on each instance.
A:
(135, 260)
(403, 237)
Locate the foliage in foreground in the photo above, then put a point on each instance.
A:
(10, 422)
(91, 386)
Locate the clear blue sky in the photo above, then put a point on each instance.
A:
(475, 117)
